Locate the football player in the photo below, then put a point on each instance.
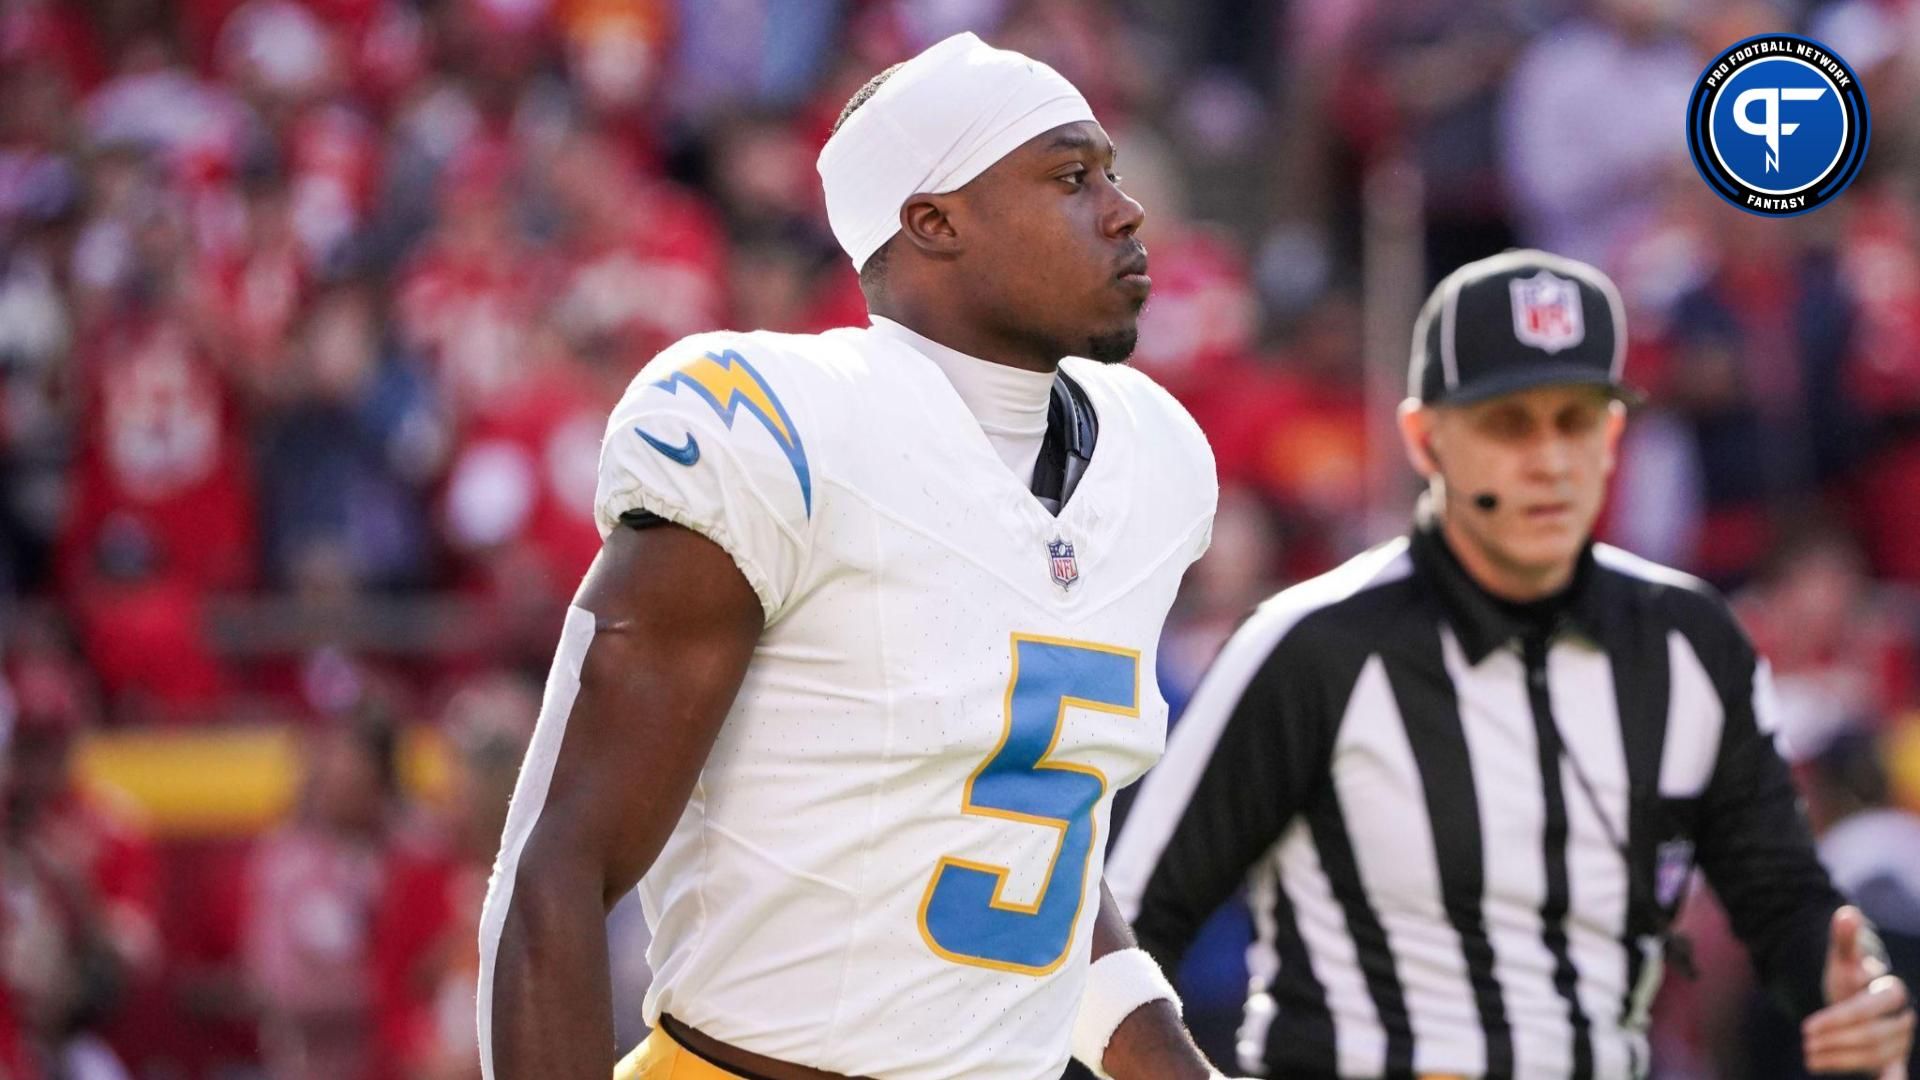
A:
(870, 642)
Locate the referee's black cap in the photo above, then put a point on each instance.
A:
(1517, 320)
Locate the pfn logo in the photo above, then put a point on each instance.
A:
(1770, 128)
(1778, 125)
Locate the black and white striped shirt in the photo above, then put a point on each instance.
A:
(1463, 826)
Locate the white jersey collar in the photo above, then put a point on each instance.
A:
(1009, 403)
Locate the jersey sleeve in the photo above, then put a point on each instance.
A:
(1755, 845)
(1189, 483)
(1207, 478)
(710, 436)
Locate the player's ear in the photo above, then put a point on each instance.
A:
(1416, 437)
(927, 223)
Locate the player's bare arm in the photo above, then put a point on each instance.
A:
(673, 625)
(1152, 1041)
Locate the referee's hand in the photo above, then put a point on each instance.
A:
(1867, 1026)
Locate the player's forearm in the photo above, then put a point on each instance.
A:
(551, 1008)
(1152, 1041)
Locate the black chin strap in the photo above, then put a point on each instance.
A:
(1067, 448)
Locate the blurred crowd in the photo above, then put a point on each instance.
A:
(311, 312)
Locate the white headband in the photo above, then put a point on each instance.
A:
(939, 121)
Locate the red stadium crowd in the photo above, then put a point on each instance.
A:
(311, 312)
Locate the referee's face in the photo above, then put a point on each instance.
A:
(1544, 455)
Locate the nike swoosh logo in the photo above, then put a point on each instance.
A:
(685, 455)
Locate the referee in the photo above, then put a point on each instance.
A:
(1465, 776)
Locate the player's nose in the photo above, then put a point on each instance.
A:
(1124, 216)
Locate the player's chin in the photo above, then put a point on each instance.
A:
(1114, 345)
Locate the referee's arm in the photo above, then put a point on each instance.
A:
(1755, 847)
(1244, 759)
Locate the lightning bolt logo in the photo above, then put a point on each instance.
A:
(725, 381)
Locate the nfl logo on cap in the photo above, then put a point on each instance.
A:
(1514, 321)
(1546, 312)
(1061, 562)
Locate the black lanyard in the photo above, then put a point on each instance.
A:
(1678, 948)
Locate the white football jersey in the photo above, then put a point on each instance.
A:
(890, 866)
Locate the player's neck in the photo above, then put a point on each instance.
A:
(957, 332)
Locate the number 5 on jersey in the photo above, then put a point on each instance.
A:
(964, 915)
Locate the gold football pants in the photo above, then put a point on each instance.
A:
(658, 1057)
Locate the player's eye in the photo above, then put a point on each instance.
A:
(1113, 178)
(1074, 178)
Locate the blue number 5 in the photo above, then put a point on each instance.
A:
(963, 916)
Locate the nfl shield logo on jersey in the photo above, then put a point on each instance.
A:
(1546, 312)
(1060, 560)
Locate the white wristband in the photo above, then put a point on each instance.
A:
(1117, 984)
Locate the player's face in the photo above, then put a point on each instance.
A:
(1545, 455)
(1054, 254)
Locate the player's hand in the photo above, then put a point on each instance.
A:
(1867, 1025)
